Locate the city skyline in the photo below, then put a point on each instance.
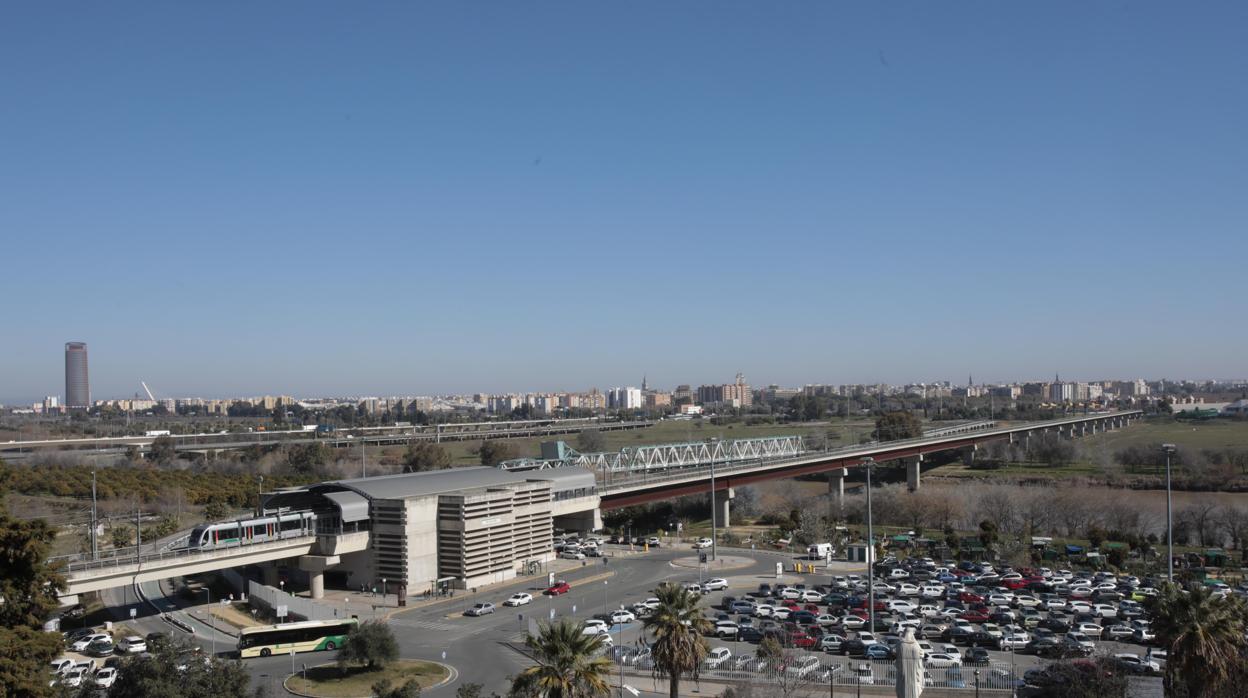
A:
(348, 202)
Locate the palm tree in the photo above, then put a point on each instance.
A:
(1203, 634)
(678, 626)
(569, 664)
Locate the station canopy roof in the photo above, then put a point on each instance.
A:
(352, 506)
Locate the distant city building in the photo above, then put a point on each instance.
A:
(656, 400)
(683, 394)
(625, 398)
(77, 380)
(51, 405)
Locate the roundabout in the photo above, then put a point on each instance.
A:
(328, 681)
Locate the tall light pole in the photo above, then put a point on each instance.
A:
(1169, 449)
(212, 630)
(259, 497)
(714, 504)
(867, 464)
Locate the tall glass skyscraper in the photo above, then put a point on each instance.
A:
(77, 384)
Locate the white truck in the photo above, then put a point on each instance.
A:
(819, 551)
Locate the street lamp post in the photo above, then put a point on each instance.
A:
(1169, 449)
(714, 513)
(211, 630)
(259, 497)
(867, 464)
(605, 582)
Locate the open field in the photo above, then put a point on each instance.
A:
(1195, 435)
(326, 681)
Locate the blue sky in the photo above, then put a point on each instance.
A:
(328, 198)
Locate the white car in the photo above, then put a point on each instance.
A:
(60, 666)
(940, 660)
(106, 677)
(621, 617)
(82, 644)
(764, 610)
(1138, 663)
(132, 645)
(791, 594)
(480, 609)
(726, 628)
(572, 555)
(594, 626)
(703, 543)
(520, 599)
(1104, 610)
(811, 596)
(73, 678)
(716, 657)
(715, 584)
(802, 666)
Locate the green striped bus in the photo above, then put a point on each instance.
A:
(307, 636)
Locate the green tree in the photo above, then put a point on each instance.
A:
(425, 455)
(987, 534)
(307, 458)
(770, 649)
(495, 452)
(162, 450)
(591, 441)
(173, 668)
(678, 627)
(215, 510)
(384, 689)
(29, 588)
(569, 664)
(1097, 678)
(1204, 636)
(121, 536)
(896, 425)
(372, 644)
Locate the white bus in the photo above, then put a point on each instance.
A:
(307, 636)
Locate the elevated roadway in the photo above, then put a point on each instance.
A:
(626, 486)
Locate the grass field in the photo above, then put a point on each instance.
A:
(1195, 435)
(1096, 452)
(326, 681)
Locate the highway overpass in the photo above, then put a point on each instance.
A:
(627, 484)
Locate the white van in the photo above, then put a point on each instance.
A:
(819, 551)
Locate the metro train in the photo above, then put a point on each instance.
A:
(257, 530)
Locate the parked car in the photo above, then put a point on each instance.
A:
(940, 660)
(81, 644)
(101, 648)
(106, 677)
(132, 644)
(716, 657)
(621, 617)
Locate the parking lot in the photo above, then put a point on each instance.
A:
(974, 624)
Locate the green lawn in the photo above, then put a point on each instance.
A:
(326, 681)
(1197, 435)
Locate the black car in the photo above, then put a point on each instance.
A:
(1056, 623)
(803, 618)
(853, 647)
(763, 590)
(750, 634)
(980, 638)
(958, 635)
(975, 655)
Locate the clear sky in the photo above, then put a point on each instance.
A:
(412, 198)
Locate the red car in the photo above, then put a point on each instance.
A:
(974, 616)
(813, 608)
(1015, 584)
(801, 639)
(968, 597)
(790, 604)
(558, 588)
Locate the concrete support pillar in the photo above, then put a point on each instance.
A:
(836, 484)
(912, 472)
(968, 455)
(722, 509)
(316, 584)
(269, 570)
